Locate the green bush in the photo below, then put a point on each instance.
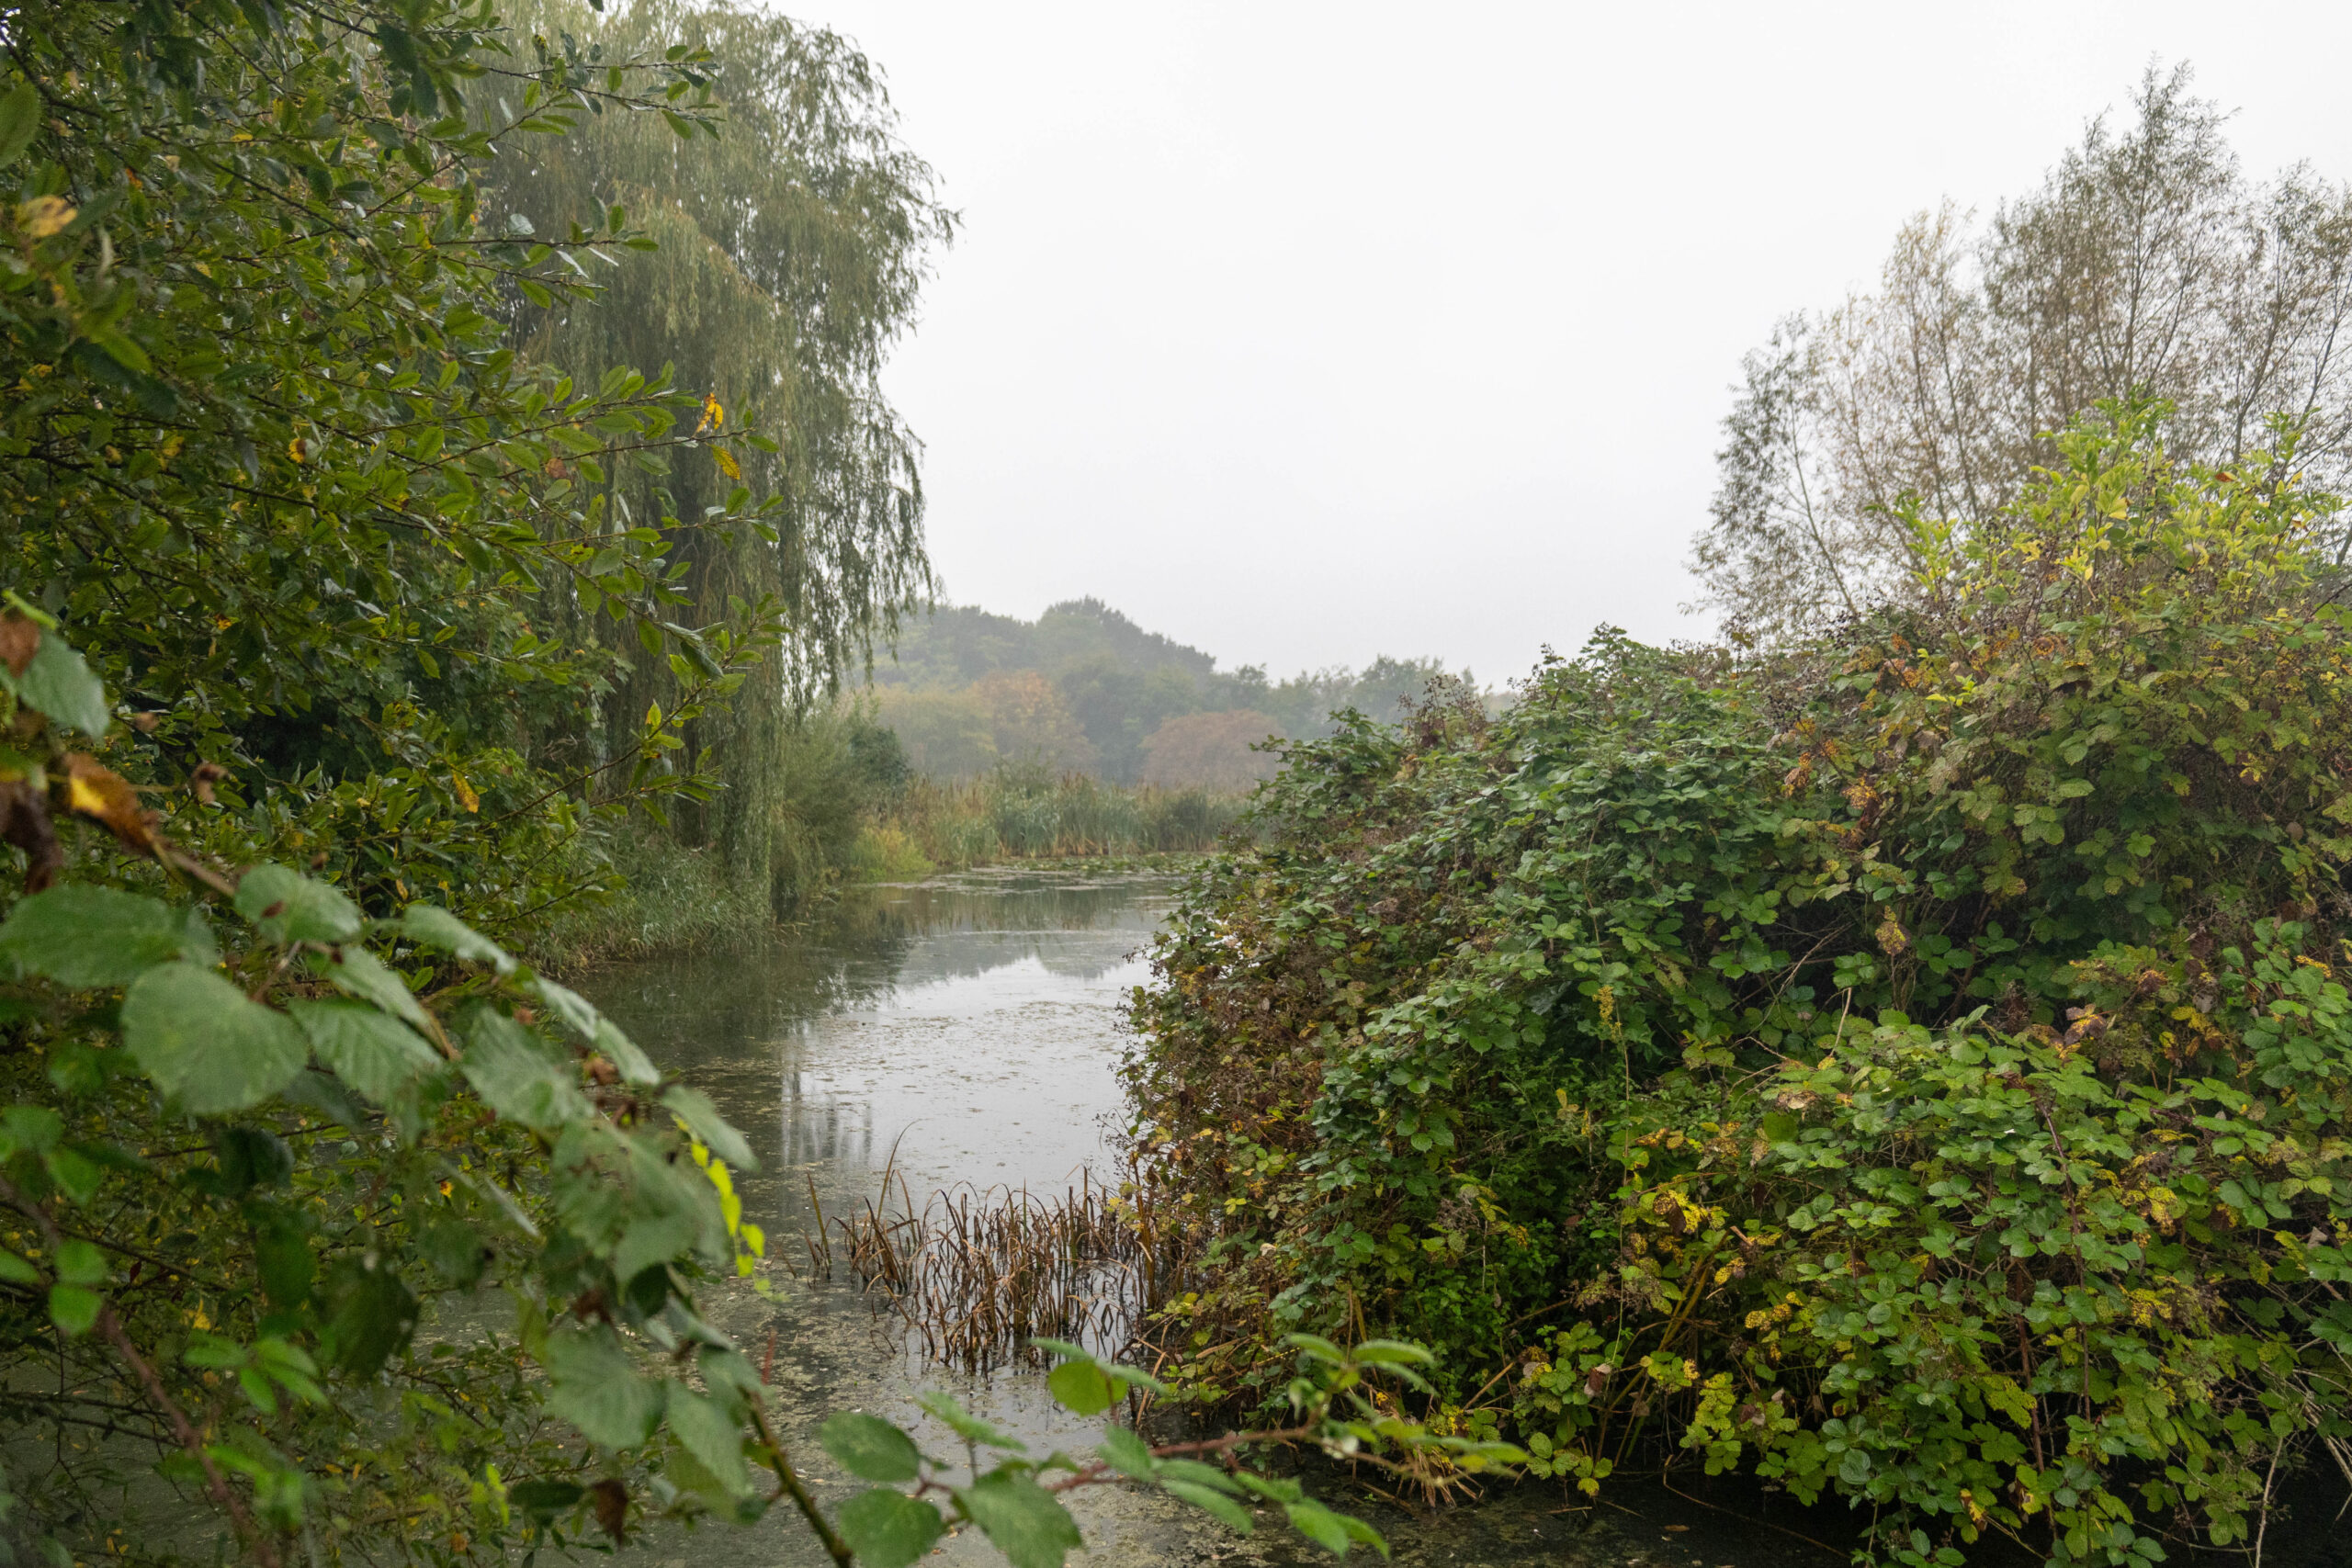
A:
(1910, 1064)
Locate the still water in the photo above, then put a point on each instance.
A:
(968, 1029)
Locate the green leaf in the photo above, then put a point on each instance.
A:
(965, 1424)
(706, 1430)
(1124, 1452)
(569, 1006)
(80, 935)
(1319, 1525)
(544, 1499)
(208, 1048)
(700, 1117)
(1217, 1503)
(1081, 1388)
(870, 1448)
(888, 1530)
(356, 972)
(81, 1263)
(1780, 1127)
(442, 930)
(121, 347)
(374, 1054)
(1393, 1352)
(519, 1076)
(635, 1067)
(592, 1385)
(14, 1271)
(369, 1311)
(75, 1309)
(19, 120)
(1022, 1519)
(288, 907)
(59, 682)
(1193, 1472)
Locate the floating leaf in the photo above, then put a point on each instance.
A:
(75, 1309)
(1081, 1388)
(1126, 1452)
(369, 1311)
(965, 1424)
(1211, 1501)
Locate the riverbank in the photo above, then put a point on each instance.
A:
(674, 898)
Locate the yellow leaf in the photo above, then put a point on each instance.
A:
(726, 464)
(44, 216)
(298, 449)
(465, 796)
(102, 796)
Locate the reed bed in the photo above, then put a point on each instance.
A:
(1023, 814)
(979, 1272)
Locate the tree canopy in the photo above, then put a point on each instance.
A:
(2147, 264)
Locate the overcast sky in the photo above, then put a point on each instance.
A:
(1305, 332)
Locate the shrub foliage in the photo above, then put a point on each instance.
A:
(1915, 1066)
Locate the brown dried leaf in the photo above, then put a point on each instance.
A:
(103, 795)
(19, 639)
(612, 1509)
(23, 822)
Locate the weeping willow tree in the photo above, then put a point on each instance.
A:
(791, 248)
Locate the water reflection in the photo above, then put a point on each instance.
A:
(972, 1025)
(969, 1024)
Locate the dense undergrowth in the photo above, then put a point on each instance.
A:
(1915, 1067)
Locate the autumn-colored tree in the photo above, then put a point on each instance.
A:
(1031, 724)
(1210, 751)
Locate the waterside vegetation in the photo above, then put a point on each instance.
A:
(1913, 1065)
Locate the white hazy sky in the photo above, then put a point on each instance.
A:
(1308, 331)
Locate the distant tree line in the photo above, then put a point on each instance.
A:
(1083, 689)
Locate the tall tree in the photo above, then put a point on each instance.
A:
(792, 249)
(2146, 262)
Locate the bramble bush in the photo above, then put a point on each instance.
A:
(1912, 1066)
